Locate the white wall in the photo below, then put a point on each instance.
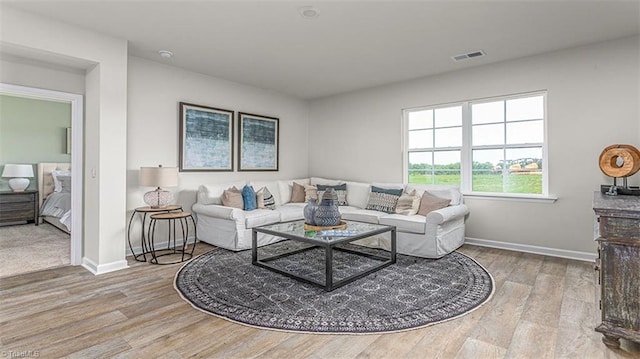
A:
(16, 72)
(592, 103)
(155, 90)
(105, 149)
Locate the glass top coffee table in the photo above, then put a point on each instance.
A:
(329, 241)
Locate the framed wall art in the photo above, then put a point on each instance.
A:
(258, 143)
(206, 138)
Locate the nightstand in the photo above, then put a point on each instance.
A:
(19, 206)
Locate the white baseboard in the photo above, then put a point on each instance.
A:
(546, 251)
(159, 245)
(97, 269)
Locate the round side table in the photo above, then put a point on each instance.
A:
(181, 249)
(143, 211)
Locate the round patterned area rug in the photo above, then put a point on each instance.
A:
(413, 293)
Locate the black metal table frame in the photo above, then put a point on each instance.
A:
(184, 226)
(329, 247)
(143, 240)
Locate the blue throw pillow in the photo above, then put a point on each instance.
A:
(341, 191)
(249, 198)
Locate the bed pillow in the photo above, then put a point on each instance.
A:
(65, 184)
(430, 203)
(57, 186)
(383, 199)
(249, 198)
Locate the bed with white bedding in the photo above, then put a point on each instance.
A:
(54, 184)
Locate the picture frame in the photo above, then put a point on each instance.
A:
(206, 138)
(68, 141)
(258, 142)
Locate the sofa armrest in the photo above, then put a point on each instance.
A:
(442, 215)
(218, 211)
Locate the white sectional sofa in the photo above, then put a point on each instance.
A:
(431, 236)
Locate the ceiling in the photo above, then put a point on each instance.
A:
(351, 44)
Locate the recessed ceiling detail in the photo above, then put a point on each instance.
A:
(308, 12)
(165, 54)
(468, 55)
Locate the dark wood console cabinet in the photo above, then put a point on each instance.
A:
(618, 267)
(19, 206)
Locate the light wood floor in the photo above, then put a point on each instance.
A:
(543, 307)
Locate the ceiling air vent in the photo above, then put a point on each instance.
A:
(468, 55)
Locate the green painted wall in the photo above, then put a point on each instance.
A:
(32, 131)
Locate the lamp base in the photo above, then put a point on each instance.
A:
(19, 184)
(158, 198)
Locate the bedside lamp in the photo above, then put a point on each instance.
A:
(17, 173)
(158, 177)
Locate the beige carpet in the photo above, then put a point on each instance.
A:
(28, 248)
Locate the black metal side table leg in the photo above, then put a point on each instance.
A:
(142, 241)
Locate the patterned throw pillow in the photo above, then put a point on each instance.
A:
(297, 193)
(430, 203)
(264, 199)
(249, 198)
(310, 192)
(341, 191)
(232, 197)
(383, 199)
(408, 204)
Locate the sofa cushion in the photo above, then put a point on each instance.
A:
(358, 194)
(430, 203)
(249, 198)
(383, 199)
(211, 194)
(324, 181)
(291, 211)
(442, 191)
(404, 223)
(260, 217)
(232, 197)
(363, 215)
(285, 188)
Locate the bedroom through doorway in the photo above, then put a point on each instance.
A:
(35, 129)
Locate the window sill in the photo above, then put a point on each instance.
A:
(512, 197)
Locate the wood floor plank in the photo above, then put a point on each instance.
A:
(542, 307)
(301, 344)
(474, 348)
(502, 316)
(531, 340)
(528, 268)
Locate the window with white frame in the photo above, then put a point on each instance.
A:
(490, 146)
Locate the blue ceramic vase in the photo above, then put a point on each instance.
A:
(310, 212)
(327, 213)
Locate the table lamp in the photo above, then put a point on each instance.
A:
(17, 173)
(158, 177)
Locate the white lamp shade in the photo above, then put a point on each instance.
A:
(158, 176)
(17, 171)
